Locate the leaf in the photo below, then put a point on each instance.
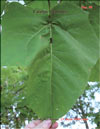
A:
(95, 73)
(58, 71)
(69, 63)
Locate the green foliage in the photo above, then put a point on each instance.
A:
(12, 95)
(58, 49)
(10, 80)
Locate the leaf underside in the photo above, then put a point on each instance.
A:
(58, 71)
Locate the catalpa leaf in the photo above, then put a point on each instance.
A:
(59, 49)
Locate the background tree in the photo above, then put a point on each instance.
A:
(86, 107)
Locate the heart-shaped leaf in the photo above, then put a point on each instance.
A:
(60, 50)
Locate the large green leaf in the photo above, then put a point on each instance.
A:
(59, 70)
